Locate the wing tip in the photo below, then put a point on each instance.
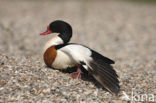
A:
(106, 76)
(116, 90)
(112, 87)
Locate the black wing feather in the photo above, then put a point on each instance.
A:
(101, 58)
(104, 73)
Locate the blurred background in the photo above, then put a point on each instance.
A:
(123, 30)
(115, 27)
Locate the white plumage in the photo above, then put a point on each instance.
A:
(55, 40)
(63, 60)
(78, 52)
(69, 55)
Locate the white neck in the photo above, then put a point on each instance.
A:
(56, 40)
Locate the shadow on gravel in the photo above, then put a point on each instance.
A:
(85, 76)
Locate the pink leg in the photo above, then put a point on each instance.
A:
(77, 74)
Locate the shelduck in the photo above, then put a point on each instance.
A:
(60, 54)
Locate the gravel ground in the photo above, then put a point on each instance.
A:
(123, 31)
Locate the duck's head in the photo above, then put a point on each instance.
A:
(64, 29)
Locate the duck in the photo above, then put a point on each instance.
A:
(60, 54)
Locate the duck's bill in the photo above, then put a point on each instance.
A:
(46, 33)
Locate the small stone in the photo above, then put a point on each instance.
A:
(63, 100)
(3, 82)
(46, 90)
(2, 63)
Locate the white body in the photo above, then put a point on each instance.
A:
(63, 61)
(70, 55)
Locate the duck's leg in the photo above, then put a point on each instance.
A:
(77, 74)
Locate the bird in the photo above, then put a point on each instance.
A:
(60, 54)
